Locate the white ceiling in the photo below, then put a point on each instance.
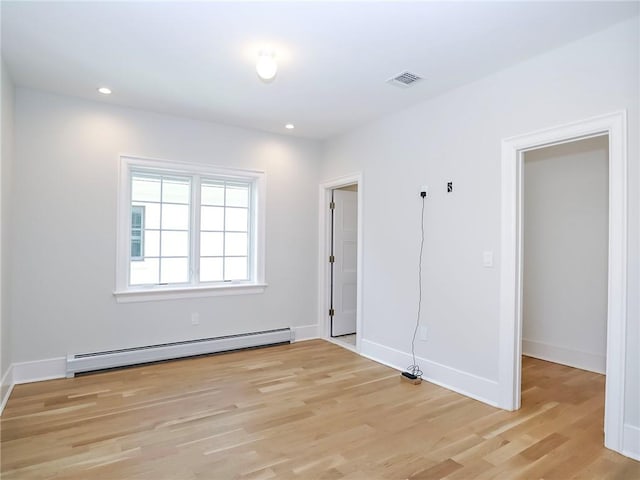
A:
(196, 59)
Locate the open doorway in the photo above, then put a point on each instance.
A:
(564, 272)
(614, 127)
(340, 258)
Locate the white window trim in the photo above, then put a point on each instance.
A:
(148, 294)
(124, 293)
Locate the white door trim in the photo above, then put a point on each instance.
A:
(615, 126)
(324, 247)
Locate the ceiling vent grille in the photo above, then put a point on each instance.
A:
(405, 79)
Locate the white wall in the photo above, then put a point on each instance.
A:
(65, 197)
(6, 121)
(565, 253)
(457, 137)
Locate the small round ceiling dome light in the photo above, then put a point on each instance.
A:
(266, 66)
(289, 126)
(104, 91)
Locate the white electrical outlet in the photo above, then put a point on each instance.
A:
(195, 319)
(487, 259)
(425, 189)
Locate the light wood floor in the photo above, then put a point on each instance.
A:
(308, 410)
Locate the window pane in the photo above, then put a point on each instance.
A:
(212, 194)
(174, 270)
(136, 247)
(211, 244)
(235, 268)
(211, 270)
(175, 244)
(137, 213)
(151, 243)
(237, 195)
(145, 188)
(144, 272)
(137, 221)
(176, 190)
(236, 219)
(151, 214)
(175, 217)
(211, 218)
(235, 244)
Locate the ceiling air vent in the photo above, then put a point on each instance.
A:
(404, 79)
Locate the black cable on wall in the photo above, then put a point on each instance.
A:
(415, 368)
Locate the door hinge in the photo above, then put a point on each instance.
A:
(332, 205)
(332, 258)
(332, 312)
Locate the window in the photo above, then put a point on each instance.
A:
(188, 230)
(224, 230)
(164, 255)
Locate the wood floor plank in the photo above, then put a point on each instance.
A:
(307, 410)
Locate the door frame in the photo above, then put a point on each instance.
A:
(510, 351)
(324, 248)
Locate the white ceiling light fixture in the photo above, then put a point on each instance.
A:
(289, 126)
(104, 91)
(266, 67)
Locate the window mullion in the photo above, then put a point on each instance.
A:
(160, 234)
(251, 267)
(224, 234)
(194, 230)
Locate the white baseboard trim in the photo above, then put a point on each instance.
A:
(39, 370)
(631, 441)
(565, 356)
(6, 387)
(305, 332)
(473, 386)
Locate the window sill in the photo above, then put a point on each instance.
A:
(155, 294)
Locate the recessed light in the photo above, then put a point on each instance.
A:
(104, 91)
(289, 126)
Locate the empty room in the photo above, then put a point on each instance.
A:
(304, 239)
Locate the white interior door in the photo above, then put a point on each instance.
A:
(345, 265)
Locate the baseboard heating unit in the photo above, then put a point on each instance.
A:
(88, 362)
